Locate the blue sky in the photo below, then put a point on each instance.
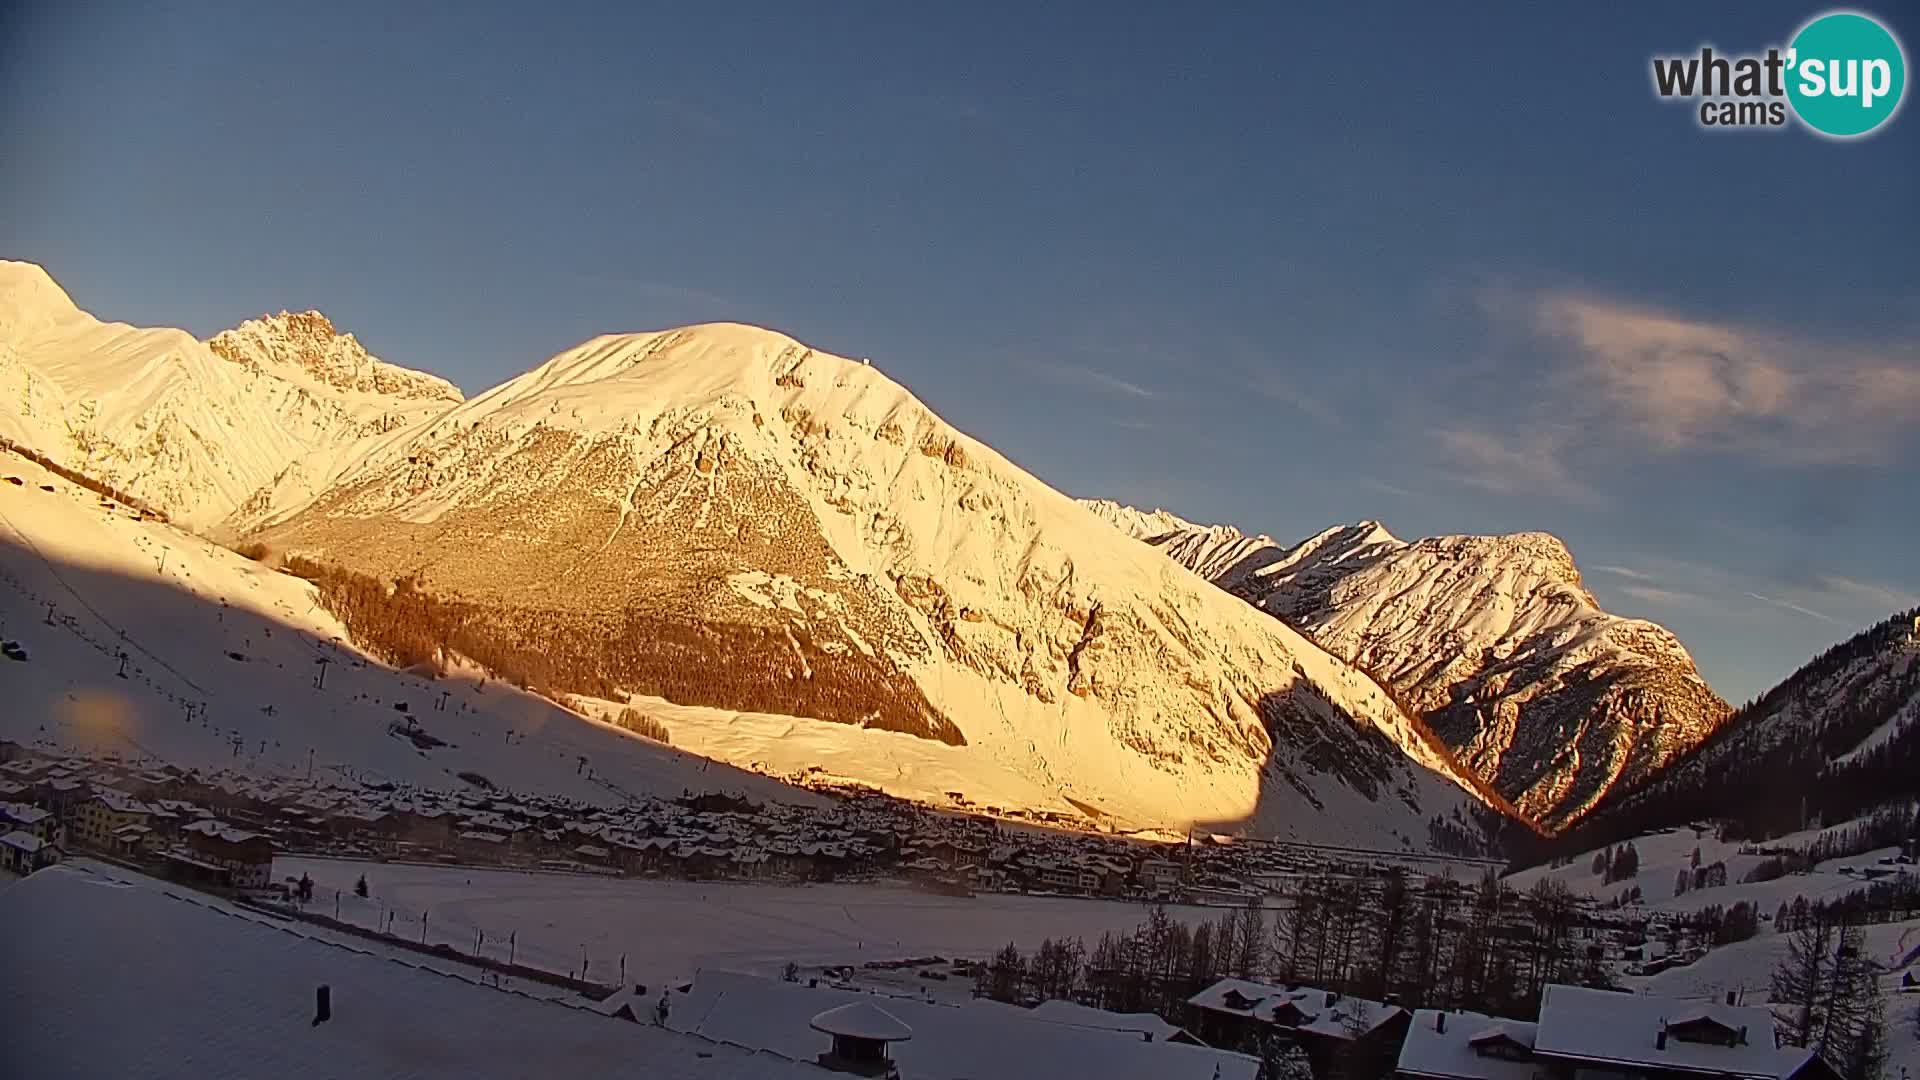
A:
(1273, 267)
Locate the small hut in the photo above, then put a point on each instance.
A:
(861, 1032)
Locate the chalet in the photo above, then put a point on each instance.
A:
(247, 856)
(1149, 1027)
(1060, 877)
(136, 841)
(22, 852)
(1443, 1045)
(479, 845)
(33, 820)
(1159, 877)
(63, 794)
(428, 826)
(1604, 1035)
(359, 822)
(1346, 1036)
(106, 813)
(932, 1041)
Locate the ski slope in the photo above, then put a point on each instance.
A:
(223, 659)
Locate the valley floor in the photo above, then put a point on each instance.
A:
(669, 930)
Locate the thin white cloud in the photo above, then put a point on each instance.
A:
(1713, 589)
(1884, 597)
(1671, 598)
(1684, 384)
(1386, 488)
(1523, 465)
(1092, 378)
(1788, 605)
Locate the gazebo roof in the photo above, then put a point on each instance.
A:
(860, 1020)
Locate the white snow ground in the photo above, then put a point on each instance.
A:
(1747, 967)
(133, 977)
(182, 608)
(668, 930)
(1664, 854)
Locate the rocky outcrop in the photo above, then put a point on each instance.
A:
(1492, 639)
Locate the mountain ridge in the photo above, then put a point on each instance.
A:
(1495, 640)
(175, 421)
(718, 515)
(1836, 739)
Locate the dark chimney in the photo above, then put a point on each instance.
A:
(1729, 997)
(322, 1005)
(1440, 1021)
(1743, 1035)
(1660, 1040)
(1331, 998)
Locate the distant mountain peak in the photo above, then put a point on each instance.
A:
(30, 300)
(1493, 639)
(307, 341)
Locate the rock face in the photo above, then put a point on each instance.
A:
(783, 545)
(306, 344)
(1492, 639)
(197, 428)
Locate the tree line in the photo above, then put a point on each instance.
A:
(775, 669)
(1825, 994)
(1767, 790)
(1432, 943)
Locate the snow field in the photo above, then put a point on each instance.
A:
(668, 930)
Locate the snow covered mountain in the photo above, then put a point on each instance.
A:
(780, 552)
(1835, 740)
(195, 427)
(1492, 639)
(222, 671)
(719, 515)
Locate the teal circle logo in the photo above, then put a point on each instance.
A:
(1846, 74)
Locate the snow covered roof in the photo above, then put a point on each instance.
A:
(219, 831)
(1303, 1008)
(1431, 1052)
(23, 813)
(1517, 1032)
(1602, 1025)
(120, 802)
(126, 980)
(862, 1020)
(24, 841)
(950, 1042)
(1071, 1012)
